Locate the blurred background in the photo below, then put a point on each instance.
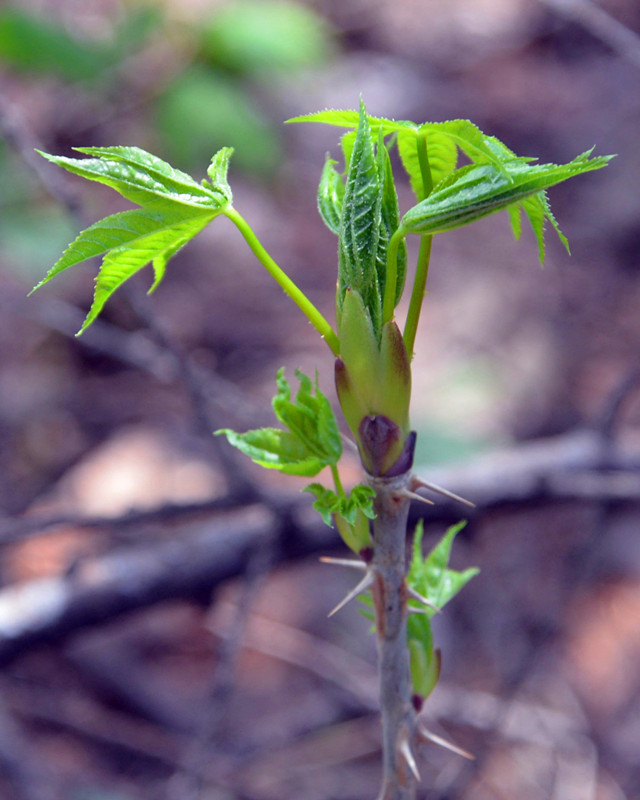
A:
(163, 615)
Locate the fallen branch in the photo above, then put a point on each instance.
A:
(207, 553)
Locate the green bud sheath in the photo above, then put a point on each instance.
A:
(425, 668)
(373, 381)
(356, 536)
(394, 377)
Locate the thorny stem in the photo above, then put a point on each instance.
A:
(284, 281)
(389, 591)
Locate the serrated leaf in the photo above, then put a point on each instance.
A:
(326, 502)
(329, 502)
(431, 576)
(445, 137)
(349, 512)
(474, 192)
(121, 263)
(442, 154)
(139, 177)
(347, 118)
(175, 209)
(362, 497)
(217, 172)
(275, 449)
(310, 418)
(515, 218)
(479, 148)
(369, 219)
(360, 225)
(311, 442)
(133, 228)
(330, 195)
(538, 211)
(330, 116)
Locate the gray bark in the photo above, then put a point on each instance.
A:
(389, 590)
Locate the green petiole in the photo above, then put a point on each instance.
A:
(388, 303)
(417, 294)
(336, 481)
(424, 254)
(284, 281)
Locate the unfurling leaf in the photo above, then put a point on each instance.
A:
(328, 502)
(475, 192)
(431, 578)
(330, 194)
(312, 441)
(430, 575)
(364, 214)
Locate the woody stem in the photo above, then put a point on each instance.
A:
(390, 603)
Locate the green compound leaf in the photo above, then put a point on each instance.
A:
(430, 575)
(174, 209)
(475, 192)
(311, 442)
(328, 503)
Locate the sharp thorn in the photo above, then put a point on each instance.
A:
(344, 562)
(364, 584)
(349, 442)
(414, 496)
(405, 750)
(417, 596)
(429, 736)
(418, 482)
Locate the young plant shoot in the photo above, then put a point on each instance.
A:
(372, 352)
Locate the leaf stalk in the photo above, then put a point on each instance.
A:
(424, 254)
(284, 281)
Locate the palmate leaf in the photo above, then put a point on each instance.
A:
(174, 209)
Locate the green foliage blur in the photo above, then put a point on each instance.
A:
(221, 74)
